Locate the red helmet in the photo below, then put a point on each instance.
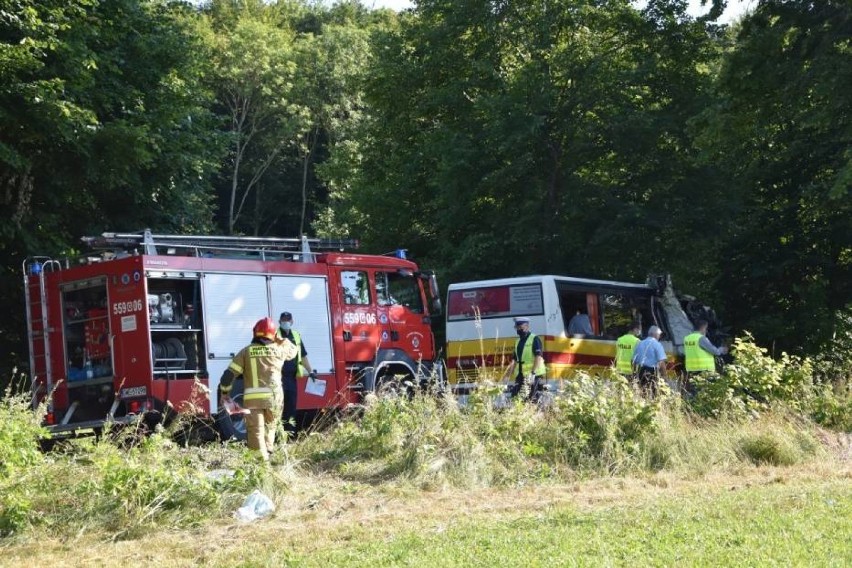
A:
(265, 328)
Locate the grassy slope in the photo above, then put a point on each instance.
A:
(799, 515)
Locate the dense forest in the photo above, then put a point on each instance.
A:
(490, 138)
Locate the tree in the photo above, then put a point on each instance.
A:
(255, 74)
(103, 125)
(548, 136)
(782, 131)
(333, 64)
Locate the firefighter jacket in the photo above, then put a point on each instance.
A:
(527, 357)
(624, 353)
(260, 365)
(697, 358)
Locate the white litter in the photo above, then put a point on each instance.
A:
(256, 506)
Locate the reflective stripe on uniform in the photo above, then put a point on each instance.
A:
(257, 393)
(237, 369)
(253, 374)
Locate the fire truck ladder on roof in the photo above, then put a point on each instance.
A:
(198, 244)
(35, 294)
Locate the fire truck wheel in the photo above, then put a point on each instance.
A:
(230, 427)
(393, 385)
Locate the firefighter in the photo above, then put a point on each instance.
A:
(528, 360)
(624, 347)
(699, 353)
(649, 359)
(298, 367)
(260, 364)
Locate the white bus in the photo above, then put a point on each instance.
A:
(481, 333)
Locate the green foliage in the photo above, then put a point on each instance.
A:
(544, 117)
(104, 125)
(832, 406)
(608, 418)
(754, 383)
(594, 426)
(122, 490)
(19, 447)
(833, 363)
(780, 131)
(21, 432)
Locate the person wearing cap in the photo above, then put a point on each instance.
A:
(297, 367)
(649, 358)
(527, 360)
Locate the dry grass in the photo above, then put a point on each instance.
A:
(321, 512)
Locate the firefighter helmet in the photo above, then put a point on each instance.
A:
(265, 328)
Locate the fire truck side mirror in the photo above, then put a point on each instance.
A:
(436, 295)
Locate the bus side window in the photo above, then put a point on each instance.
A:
(617, 315)
(620, 310)
(575, 303)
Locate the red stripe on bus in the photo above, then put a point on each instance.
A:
(577, 359)
(550, 357)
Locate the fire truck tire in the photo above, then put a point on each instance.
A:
(392, 384)
(231, 427)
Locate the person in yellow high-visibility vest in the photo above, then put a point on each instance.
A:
(624, 347)
(698, 352)
(293, 369)
(699, 355)
(527, 361)
(259, 363)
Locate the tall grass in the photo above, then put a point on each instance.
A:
(597, 428)
(760, 412)
(120, 489)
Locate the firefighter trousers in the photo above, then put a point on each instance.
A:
(262, 423)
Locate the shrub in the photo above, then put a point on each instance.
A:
(833, 364)
(831, 405)
(599, 422)
(19, 435)
(754, 382)
(595, 424)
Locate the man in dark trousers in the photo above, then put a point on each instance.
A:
(528, 360)
(649, 357)
(297, 367)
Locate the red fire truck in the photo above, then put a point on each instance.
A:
(146, 321)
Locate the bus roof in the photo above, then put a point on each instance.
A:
(533, 279)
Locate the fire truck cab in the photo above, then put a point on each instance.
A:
(150, 322)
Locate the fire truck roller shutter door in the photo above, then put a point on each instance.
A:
(306, 298)
(233, 303)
